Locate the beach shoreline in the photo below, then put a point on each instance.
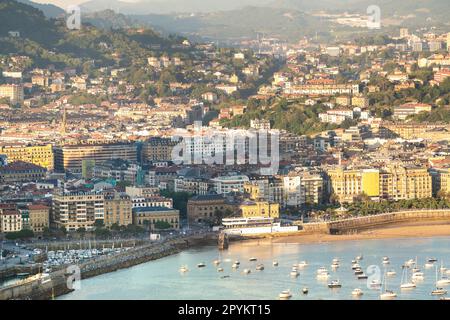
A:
(418, 230)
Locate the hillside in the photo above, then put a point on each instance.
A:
(50, 42)
(49, 10)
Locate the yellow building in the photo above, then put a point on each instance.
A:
(38, 155)
(150, 216)
(402, 183)
(260, 209)
(252, 191)
(370, 182)
(118, 210)
(345, 185)
(39, 217)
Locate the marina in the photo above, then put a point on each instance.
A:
(160, 279)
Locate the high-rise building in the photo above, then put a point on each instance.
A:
(158, 149)
(75, 210)
(70, 157)
(12, 91)
(41, 155)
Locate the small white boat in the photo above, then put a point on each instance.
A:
(322, 270)
(275, 263)
(235, 265)
(219, 269)
(184, 269)
(334, 284)
(252, 259)
(408, 285)
(388, 295)
(417, 276)
(432, 260)
(286, 294)
(323, 276)
(362, 276)
(439, 292)
(443, 282)
(305, 290)
(415, 270)
(294, 274)
(201, 265)
(410, 262)
(260, 267)
(355, 266)
(237, 262)
(391, 273)
(357, 292)
(246, 271)
(216, 262)
(359, 258)
(386, 260)
(429, 265)
(302, 264)
(335, 261)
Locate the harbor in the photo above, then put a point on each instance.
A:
(263, 270)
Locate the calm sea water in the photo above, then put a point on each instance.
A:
(161, 279)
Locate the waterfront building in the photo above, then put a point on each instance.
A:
(150, 216)
(41, 155)
(403, 183)
(70, 157)
(38, 217)
(207, 208)
(259, 209)
(13, 92)
(345, 185)
(74, 210)
(312, 185)
(118, 210)
(21, 172)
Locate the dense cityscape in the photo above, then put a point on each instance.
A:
(115, 142)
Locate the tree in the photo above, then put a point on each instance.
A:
(22, 234)
(162, 225)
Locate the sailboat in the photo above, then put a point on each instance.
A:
(404, 284)
(444, 281)
(438, 291)
(387, 294)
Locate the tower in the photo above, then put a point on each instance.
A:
(64, 121)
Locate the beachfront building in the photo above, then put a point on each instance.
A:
(207, 208)
(250, 209)
(75, 210)
(388, 183)
(156, 218)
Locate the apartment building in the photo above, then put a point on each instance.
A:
(118, 210)
(76, 210)
(71, 157)
(38, 217)
(41, 155)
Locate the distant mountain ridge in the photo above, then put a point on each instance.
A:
(49, 10)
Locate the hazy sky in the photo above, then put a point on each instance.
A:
(66, 3)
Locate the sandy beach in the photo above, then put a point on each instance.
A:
(405, 231)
